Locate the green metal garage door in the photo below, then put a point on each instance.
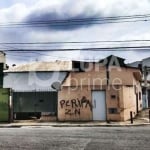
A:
(4, 104)
(35, 102)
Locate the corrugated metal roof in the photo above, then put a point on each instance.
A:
(43, 66)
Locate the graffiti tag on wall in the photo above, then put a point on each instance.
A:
(74, 106)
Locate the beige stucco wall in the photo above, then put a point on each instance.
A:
(125, 102)
(113, 102)
(95, 76)
(122, 76)
(74, 104)
(79, 85)
(98, 76)
(129, 101)
(67, 112)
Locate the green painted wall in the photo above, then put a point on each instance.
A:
(4, 105)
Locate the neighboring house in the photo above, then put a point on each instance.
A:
(104, 90)
(31, 85)
(144, 65)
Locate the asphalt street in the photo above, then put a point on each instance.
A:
(75, 138)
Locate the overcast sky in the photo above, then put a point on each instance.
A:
(33, 10)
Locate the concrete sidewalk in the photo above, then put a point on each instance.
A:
(18, 124)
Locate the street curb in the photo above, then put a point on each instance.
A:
(75, 125)
(101, 125)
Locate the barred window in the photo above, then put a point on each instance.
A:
(113, 96)
(113, 111)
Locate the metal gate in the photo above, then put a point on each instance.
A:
(35, 102)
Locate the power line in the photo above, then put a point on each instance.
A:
(79, 21)
(39, 54)
(56, 57)
(85, 19)
(123, 48)
(19, 57)
(74, 42)
(69, 24)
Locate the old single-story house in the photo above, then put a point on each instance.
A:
(104, 90)
(88, 91)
